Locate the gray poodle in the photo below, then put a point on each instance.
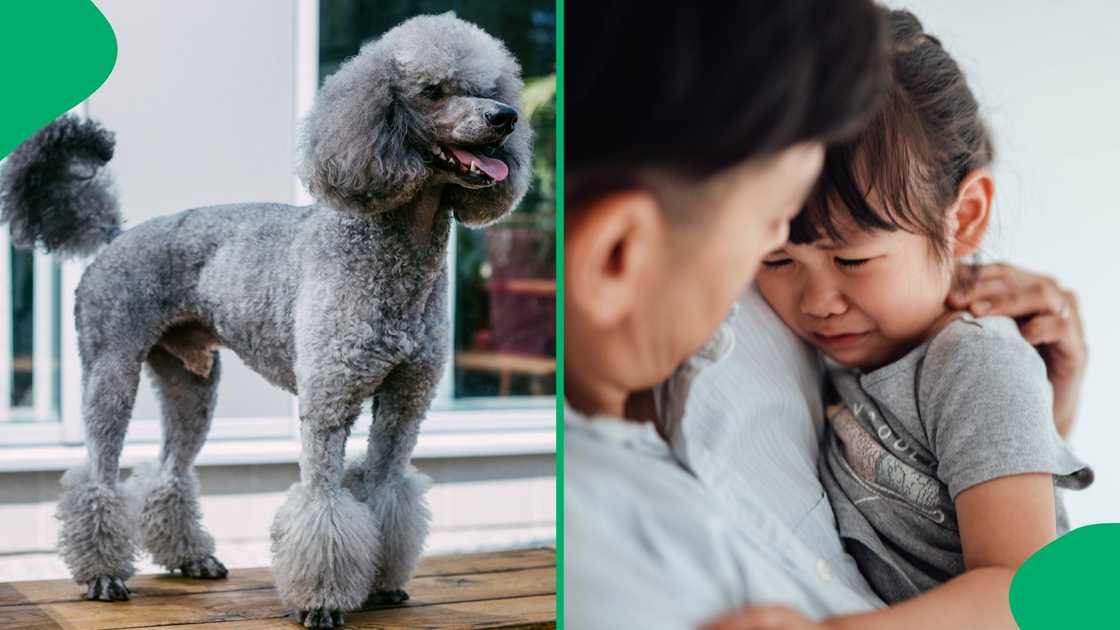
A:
(339, 302)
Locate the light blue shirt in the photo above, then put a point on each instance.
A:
(730, 511)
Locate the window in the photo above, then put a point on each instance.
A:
(504, 292)
(29, 343)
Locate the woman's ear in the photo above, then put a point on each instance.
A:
(609, 247)
(969, 216)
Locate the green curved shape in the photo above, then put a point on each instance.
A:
(1071, 583)
(55, 53)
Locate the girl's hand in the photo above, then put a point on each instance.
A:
(1049, 318)
(764, 618)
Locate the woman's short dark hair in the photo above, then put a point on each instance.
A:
(926, 137)
(694, 88)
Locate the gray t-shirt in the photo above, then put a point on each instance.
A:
(969, 405)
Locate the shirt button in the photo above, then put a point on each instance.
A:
(824, 571)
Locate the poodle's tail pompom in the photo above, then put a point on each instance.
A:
(54, 191)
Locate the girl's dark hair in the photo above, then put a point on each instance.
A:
(924, 140)
(695, 88)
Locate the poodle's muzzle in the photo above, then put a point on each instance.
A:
(469, 134)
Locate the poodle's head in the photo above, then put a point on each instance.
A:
(433, 101)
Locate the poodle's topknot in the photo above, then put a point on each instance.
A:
(53, 190)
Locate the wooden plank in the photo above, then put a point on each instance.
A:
(523, 613)
(10, 594)
(265, 604)
(487, 562)
(54, 591)
(24, 617)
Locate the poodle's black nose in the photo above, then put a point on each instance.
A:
(502, 118)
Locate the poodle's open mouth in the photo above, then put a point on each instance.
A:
(478, 165)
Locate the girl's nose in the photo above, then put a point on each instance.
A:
(821, 300)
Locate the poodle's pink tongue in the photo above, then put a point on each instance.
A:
(496, 169)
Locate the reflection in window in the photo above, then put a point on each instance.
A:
(30, 312)
(505, 279)
(23, 327)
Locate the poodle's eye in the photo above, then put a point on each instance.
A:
(433, 91)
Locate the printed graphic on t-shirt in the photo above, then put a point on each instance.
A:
(881, 470)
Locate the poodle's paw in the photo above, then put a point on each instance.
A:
(107, 588)
(207, 568)
(320, 618)
(395, 596)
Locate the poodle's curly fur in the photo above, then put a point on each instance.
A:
(338, 302)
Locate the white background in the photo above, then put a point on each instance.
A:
(1047, 75)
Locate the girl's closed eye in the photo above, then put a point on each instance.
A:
(852, 263)
(777, 262)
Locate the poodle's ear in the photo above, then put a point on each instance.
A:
(354, 152)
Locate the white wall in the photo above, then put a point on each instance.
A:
(1047, 75)
(202, 100)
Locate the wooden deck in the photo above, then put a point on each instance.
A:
(513, 589)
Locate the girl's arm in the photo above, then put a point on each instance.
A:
(1002, 522)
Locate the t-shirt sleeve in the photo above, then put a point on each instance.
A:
(986, 405)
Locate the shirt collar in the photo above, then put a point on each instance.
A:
(671, 397)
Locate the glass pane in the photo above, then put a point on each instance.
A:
(56, 336)
(23, 328)
(505, 293)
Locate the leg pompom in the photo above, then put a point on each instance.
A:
(96, 537)
(400, 509)
(166, 508)
(324, 550)
(404, 516)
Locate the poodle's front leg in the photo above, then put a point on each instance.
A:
(324, 543)
(385, 480)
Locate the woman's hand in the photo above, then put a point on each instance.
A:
(764, 618)
(1049, 318)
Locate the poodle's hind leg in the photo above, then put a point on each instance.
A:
(96, 537)
(386, 481)
(164, 494)
(324, 542)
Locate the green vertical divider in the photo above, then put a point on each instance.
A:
(560, 313)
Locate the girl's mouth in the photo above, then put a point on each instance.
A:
(841, 341)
